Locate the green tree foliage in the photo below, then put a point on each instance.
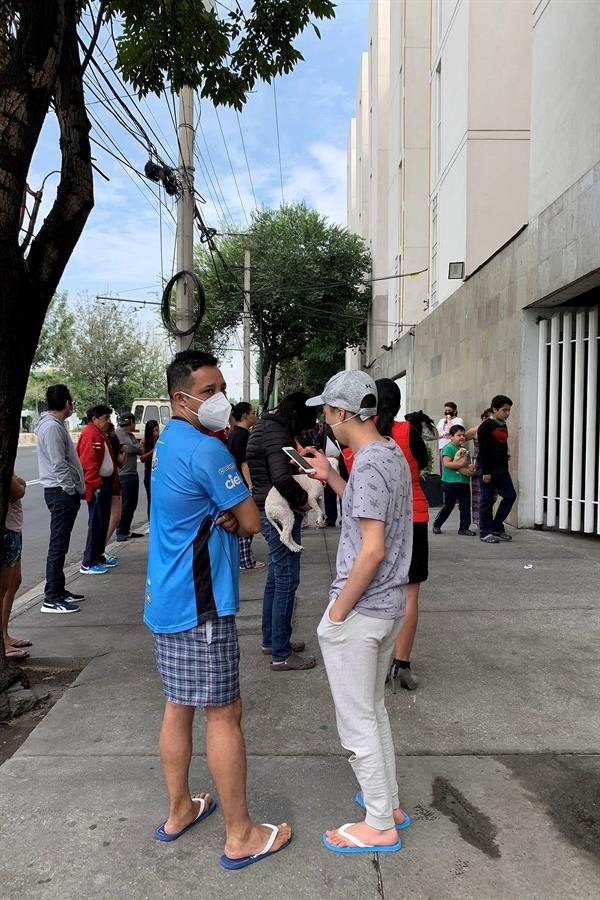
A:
(308, 299)
(100, 352)
(56, 338)
(111, 361)
(223, 51)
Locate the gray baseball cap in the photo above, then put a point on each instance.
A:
(351, 390)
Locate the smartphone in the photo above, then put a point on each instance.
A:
(300, 461)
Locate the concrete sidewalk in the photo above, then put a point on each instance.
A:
(498, 749)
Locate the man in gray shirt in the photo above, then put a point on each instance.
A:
(61, 476)
(128, 475)
(366, 605)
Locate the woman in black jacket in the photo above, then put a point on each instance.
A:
(270, 467)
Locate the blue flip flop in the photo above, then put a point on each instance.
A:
(359, 847)
(161, 835)
(229, 863)
(400, 826)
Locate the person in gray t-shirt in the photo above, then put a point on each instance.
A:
(128, 475)
(366, 604)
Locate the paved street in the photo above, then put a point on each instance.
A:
(498, 750)
(36, 522)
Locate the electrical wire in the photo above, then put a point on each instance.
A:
(122, 159)
(239, 121)
(237, 187)
(278, 143)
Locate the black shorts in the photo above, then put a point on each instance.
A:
(419, 561)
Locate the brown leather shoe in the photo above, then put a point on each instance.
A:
(294, 663)
(296, 646)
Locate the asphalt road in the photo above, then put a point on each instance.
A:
(36, 522)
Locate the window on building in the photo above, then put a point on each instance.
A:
(433, 290)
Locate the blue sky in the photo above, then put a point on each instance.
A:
(121, 252)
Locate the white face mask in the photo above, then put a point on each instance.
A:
(355, 416)
(214, 413)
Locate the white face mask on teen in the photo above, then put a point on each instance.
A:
(343, 421)
(214, 413)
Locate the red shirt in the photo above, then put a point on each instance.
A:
(401, 433)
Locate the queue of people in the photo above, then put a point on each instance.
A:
(205, 505)
(100, 469)
(205, 502)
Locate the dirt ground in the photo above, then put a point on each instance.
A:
(46, 675)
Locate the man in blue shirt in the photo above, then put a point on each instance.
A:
(200, 505)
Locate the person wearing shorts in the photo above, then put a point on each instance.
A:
(199, 507)
(10, 567)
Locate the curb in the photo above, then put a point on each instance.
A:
(34, 595)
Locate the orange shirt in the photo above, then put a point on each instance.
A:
(401, 433)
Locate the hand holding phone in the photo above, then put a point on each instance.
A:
(300, 461)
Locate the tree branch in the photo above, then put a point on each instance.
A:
(27, 80)
(94, 38)
(58, 236)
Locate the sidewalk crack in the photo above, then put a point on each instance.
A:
(377, 868)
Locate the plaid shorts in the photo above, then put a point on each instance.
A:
(200, 667)
(247, 560)
(11, 546)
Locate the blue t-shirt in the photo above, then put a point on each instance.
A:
(193, 564)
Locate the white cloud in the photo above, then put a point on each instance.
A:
(320, 181)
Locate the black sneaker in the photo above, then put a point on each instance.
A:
(59, 606)
(502, 536)
(467, 531)
(437, 530)
(72, 598)
(135, 534)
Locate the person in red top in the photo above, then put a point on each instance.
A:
(100, 472)
(413, 447)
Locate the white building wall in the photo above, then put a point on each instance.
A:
(480, 102)
(449, 80)
(565, 119)
(415, 164)
(379, 82)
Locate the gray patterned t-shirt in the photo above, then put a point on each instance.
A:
(380, 488)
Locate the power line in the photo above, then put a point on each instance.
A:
(278, 143)
(237, 187)
(124, 162)
(246, 156)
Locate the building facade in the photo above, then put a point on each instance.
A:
(497, 103)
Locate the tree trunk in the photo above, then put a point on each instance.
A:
(270, 381)
(41, 64)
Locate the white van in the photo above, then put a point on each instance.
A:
(146, 408)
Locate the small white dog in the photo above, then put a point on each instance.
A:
(281, 516)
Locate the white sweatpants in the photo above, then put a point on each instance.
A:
(357, 654)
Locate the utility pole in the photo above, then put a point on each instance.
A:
(185, 214)
(246, 328)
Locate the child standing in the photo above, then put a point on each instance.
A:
(457, 471)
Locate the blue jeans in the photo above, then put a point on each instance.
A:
(283, 578)
(502, 483)
(63, 512)
(98, 519)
